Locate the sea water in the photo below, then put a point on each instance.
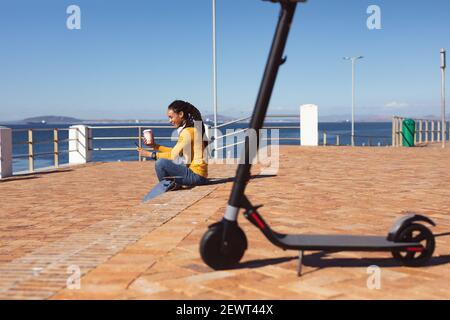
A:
(374, 134)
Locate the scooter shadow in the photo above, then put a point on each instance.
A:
(253, 264)
(317, 261)
(232, 179)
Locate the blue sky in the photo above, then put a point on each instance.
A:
(132, 58)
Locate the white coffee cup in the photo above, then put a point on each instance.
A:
(148, 137)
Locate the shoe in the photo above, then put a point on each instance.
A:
(174, 186)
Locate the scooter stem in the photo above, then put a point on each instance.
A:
(265, 92)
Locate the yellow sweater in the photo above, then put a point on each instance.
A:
(190, 145)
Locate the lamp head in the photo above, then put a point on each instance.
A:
(353, 58)
(443, 59)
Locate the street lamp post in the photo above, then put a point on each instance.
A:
(443, 66)
(214, 77)
(353, 60)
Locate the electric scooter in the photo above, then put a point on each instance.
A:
(224, 243)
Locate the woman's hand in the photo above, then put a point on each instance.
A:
(144, 153)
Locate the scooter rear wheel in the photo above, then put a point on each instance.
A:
(221, 255)
(415, 233)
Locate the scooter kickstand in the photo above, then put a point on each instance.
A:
(299, 267)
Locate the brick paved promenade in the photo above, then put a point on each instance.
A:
(91, 217)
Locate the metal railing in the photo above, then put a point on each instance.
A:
(32, 155)
(220, 127)
(136, 138)
(243, 131)
(426, 131)
(31, 142)
(56, 151)
(370, 141)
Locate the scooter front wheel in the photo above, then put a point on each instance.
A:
(415, 233)
(222, 254)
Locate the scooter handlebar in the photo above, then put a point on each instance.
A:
(285, 0)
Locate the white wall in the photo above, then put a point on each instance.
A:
(80, 144)
(5, 152)
(309, 125)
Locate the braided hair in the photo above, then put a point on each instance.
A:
(191, 116)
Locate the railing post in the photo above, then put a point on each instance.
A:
(398, 128)
(80, 144)
(448, 131)
(338, 141)
(5, 152)
(309, 125)
(401, 132)
(324, 138)
(415, 132)
(396, 133)
(432, 130)
(420, 131)
(426, 131)
(55, 147)
(30, 151)
(209, 132)
(393, 131)
(139, 143)
(445, 131)
(394, 140)
(438, 131)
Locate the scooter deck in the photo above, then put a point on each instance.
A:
(305, 242)
(340, 243)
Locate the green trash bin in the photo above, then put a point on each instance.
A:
(408, 132)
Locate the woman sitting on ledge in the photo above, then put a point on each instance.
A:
(188, 121)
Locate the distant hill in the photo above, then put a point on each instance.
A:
(52, 120)
(220, 118)
(70, 120)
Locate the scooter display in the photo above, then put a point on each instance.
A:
(224, 243)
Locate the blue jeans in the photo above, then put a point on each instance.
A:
(184, 176)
